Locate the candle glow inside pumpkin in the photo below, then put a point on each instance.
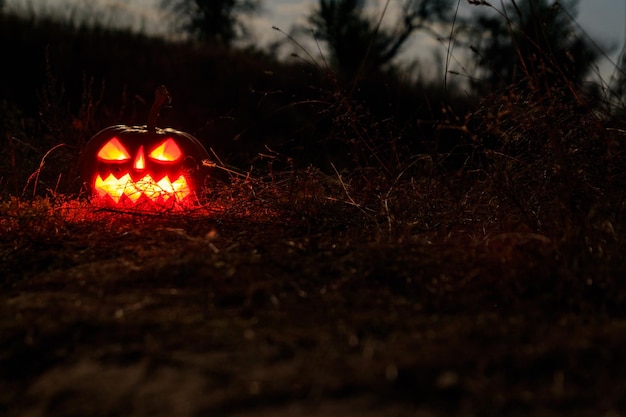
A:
(141, 183)
(132, 165)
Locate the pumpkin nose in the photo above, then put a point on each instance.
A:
(140, 162)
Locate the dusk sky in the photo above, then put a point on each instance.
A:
(603, 20)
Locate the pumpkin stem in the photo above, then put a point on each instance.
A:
(161, 97)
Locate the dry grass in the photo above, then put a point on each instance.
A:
(301, 294)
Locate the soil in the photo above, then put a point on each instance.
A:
(224, 316)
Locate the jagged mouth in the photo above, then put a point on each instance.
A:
(161, 190)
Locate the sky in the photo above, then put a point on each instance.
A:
(604, 21)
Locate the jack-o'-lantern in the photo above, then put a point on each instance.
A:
(130, 165)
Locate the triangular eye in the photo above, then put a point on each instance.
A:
(113, 150)
(167, 151)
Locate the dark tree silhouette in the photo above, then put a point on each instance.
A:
(533, 40)
(212, 20)
(357, 42)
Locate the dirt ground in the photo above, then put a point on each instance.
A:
(214, 316)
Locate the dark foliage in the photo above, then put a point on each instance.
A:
(212, 20)
(358, 44)
(536, 41)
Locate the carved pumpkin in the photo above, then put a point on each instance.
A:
(129, 165)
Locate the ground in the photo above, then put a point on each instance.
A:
(227, 315)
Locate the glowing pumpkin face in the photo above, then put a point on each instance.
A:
(127, 165)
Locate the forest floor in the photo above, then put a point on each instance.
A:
(106, 313)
